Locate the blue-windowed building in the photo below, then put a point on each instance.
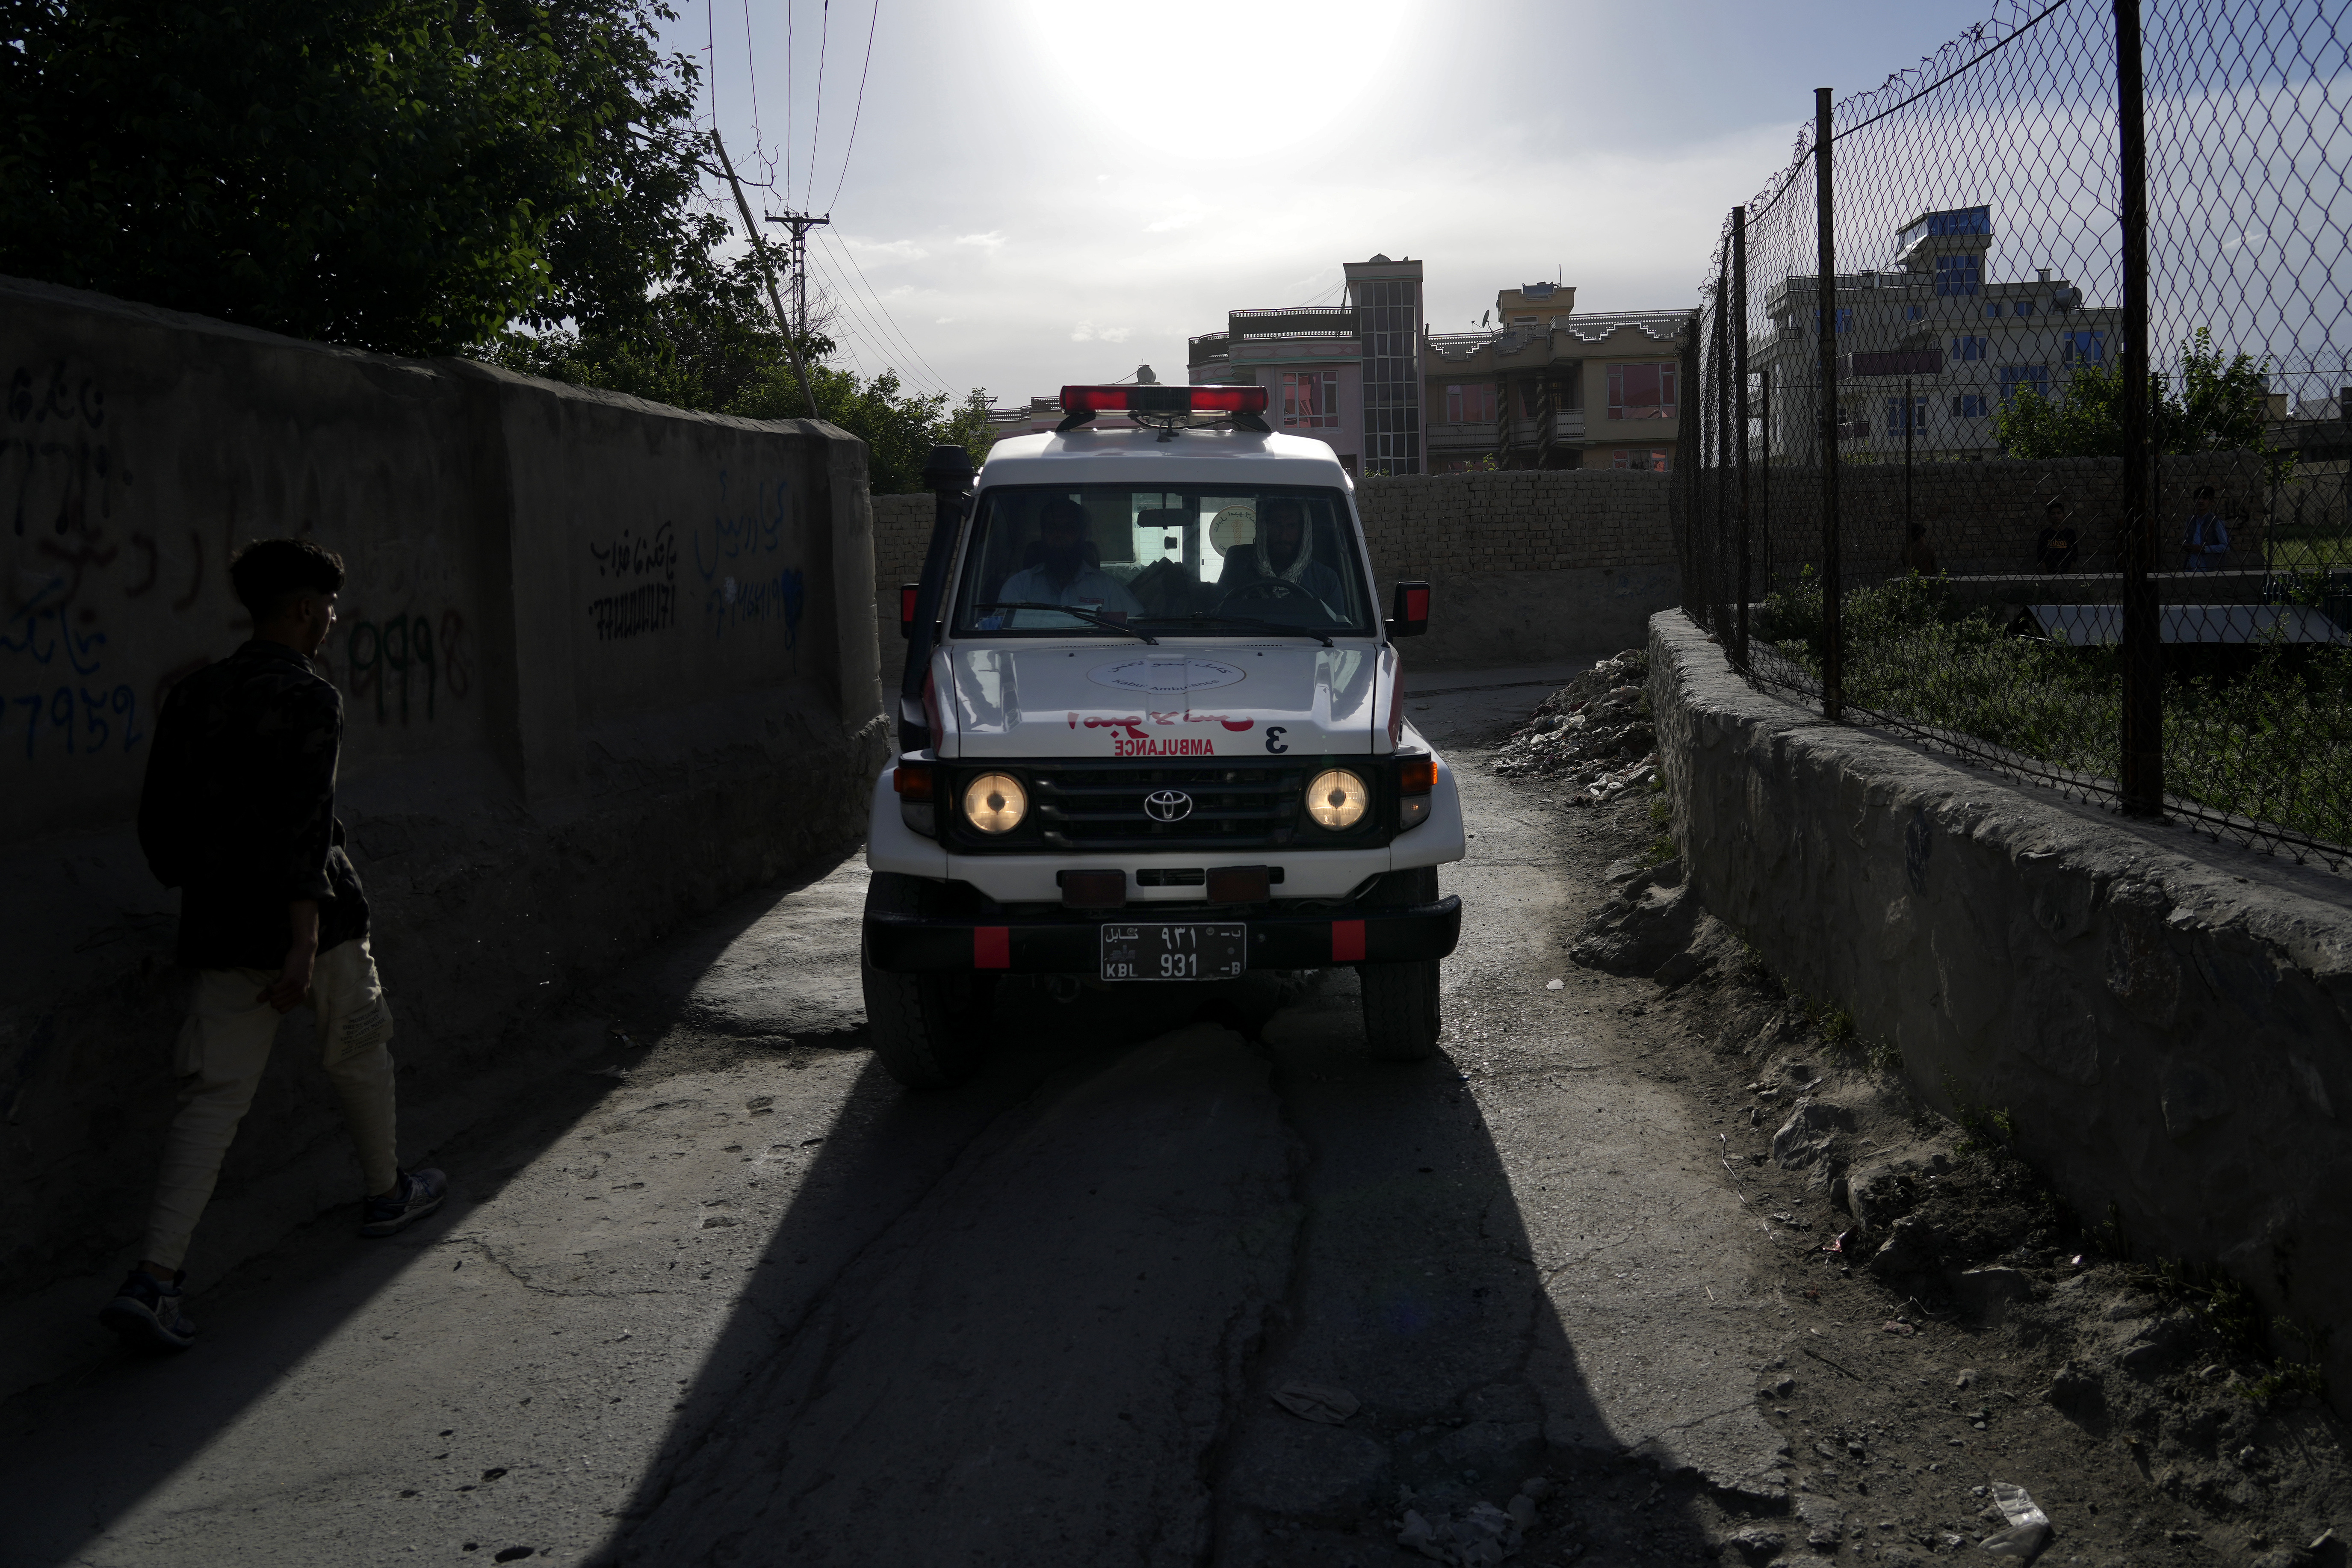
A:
(1929, 346)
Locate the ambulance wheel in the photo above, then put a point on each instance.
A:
(1400, 1019)
(929, 1030)
(1400, 1009)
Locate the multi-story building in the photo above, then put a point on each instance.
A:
(1928, 347)
(1546, 388)
(1349, 374)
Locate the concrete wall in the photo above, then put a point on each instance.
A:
(1527, 567)
(595, 679)
(2169, 1021)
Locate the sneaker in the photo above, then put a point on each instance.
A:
(417, 1195)
(146, 1312)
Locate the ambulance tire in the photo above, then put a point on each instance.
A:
(1400, 1009)
(1400, 1013)
(930, 1031)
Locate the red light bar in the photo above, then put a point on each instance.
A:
(1163, 400)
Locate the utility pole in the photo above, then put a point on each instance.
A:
(800, 224)
(760, 253)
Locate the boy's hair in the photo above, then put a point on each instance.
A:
(2204, 490)
(268, 572)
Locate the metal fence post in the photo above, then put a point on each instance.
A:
(1825, 296)
(2143, 673)
(1764, 478)
(1685, 407)
(1740, 397)
(1720, 356)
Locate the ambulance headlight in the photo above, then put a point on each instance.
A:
(995, 803)
(1337, 799)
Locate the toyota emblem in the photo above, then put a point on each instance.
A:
(1168, 805)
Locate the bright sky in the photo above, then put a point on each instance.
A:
(1043, 191)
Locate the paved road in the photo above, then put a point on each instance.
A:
(720, 1295)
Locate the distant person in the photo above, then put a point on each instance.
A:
(2055, 548)
(238, 813)
(2207, 539)
(1918, 555)
(1281, 553)
(1064, 574)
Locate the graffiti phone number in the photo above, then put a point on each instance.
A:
(82, 721)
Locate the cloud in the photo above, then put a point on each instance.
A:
(884, 249)
(988, 241)
(1087, 332)
(1173, 221)
(945, 321)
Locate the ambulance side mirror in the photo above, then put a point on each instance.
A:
(1408, 610)
(908, 594)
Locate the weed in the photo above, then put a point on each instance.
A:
(1837, 1028)
(1987, 1129)
(1882, 1055)
(1661, 850)
(1662, 811)
(2292, 1377)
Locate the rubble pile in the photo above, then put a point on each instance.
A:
(1593, 733)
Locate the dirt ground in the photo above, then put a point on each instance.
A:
(1950, 1326)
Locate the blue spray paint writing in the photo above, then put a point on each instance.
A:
(72, 716)
(746, 602)
(734, 537)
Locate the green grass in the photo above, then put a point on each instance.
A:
(2272, 745)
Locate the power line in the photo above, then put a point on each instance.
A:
(816, 120)
(859, 112)
(789, 9)
(878, 338)
(751, 65)
(865, 331)
(936, 378)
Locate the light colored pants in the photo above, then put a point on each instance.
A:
(223, 1046)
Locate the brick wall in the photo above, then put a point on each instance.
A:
(1441, 525)
(902, 532)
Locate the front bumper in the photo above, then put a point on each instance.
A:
(1072, 944)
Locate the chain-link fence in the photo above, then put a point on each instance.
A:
(2075, 502)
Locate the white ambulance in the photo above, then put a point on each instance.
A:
(1150, 734)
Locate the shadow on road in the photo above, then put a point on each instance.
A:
(1060, 1341)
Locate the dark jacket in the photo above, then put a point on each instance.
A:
(238, 809)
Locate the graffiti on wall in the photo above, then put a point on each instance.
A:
(61, 477)
(644, 571)
(744, 582)
(404, 649)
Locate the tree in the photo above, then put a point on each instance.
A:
(406, 175)
(2212, 405)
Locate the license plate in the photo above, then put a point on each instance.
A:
(1156, 950)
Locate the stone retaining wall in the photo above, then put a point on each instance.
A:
(2168, 1021)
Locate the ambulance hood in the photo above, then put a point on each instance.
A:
(1096, 698)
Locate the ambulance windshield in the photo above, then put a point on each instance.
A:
(1210, 560)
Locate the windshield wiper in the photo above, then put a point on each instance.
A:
(1323, 637)
(1091, 616)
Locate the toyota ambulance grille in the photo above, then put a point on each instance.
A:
(1106, 808)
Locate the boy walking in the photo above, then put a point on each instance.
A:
(238, 813)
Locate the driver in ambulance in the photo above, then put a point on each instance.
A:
(1280, 554)
(1063, 574)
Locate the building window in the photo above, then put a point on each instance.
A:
(2084, 348)
(1642, 391)
(1650, 462)
(1470, 402)
(1914, 313)
(2015, 378)
(1970, 406)
(1844, 320)
(2025, 307)
(1310, 398)
(1895, 422)
(1967, 348)
(1388, 318)
(1958, 274)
